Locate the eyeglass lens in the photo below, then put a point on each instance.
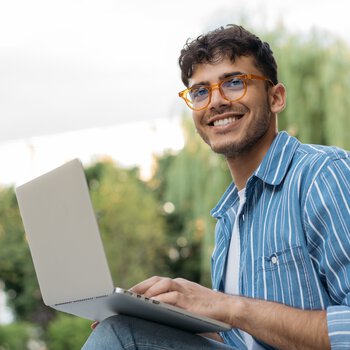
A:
(231, 89)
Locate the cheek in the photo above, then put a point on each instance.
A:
(260, 105)
(196, 117)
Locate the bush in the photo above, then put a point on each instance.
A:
(67, 332)
(15, 336)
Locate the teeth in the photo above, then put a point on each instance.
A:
(225, 121)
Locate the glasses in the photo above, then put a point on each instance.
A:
(232, 89)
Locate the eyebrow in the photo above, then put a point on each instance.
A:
(221, 77)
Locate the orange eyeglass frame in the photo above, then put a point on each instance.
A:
(243, 77)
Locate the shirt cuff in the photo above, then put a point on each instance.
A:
(338, 319)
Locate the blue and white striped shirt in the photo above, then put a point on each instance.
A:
(294, 234)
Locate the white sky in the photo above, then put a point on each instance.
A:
(109, 68)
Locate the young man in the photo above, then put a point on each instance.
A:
(281, 264)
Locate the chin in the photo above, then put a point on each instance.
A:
(227, 150)
(233, 149)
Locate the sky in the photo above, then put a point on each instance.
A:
(79, 78)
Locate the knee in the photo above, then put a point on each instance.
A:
(113, 322)
(119, 324)
(107, 334)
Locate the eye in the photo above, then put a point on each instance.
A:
(233, 83)
(198, 93)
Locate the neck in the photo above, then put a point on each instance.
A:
(243, 166)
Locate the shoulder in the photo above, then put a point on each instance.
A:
(321, 153)
(318, 159)
(289, 159)
(324, 171)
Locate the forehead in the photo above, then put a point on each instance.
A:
(212, 72)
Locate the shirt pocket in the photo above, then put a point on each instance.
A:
(286, 277)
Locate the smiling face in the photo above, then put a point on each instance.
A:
(235, 128)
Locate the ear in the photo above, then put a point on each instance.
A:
(277, 98)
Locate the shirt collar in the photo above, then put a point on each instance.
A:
(275, 164)
(272, 170)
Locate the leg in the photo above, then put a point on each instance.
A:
(124, 332)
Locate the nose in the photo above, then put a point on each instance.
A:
(217, 100)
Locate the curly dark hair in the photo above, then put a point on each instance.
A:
(231, 41)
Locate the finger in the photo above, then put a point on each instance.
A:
(154, 286)
(94, 325)
(172, 298)
(143, 286)
(163, 286)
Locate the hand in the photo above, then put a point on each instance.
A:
(94, 325)
(185, 294)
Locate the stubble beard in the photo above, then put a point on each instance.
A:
(257, 130)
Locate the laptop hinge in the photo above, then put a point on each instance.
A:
(80, 300)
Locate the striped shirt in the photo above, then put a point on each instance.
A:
(294, 234)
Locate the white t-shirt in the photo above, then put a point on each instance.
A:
(232, 269)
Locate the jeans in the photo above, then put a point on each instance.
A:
(125, 332)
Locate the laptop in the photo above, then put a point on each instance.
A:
(69, 257)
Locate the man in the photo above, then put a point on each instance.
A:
(281, 264)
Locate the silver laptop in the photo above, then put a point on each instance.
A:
(70, 261)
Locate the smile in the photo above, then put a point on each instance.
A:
(226, 121)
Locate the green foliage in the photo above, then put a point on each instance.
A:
(15, 336)
(183, 258)
(67, 332)
(16, 267)
(315, 69)
(195, 180)
(131, 227)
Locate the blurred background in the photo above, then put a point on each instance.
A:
(98, 80)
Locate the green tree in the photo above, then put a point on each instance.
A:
(194, 181)
(183, 258)
(16, 336)
(16, 268)
(67, 332)
(315, 68)
(131, 227)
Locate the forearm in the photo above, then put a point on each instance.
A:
(275, 324)
(280, 326)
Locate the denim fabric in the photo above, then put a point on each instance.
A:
(125, 332)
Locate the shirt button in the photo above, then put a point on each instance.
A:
(274, 259)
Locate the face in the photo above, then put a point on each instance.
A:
(234, 128)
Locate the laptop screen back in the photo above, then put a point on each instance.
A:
(63, 236)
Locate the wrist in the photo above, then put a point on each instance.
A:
(237, 309)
